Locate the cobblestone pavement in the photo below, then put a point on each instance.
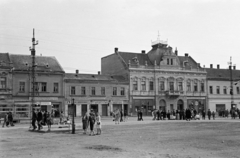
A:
(166, 139)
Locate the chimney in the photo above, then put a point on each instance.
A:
(143, 51)
(211, 66)
(76, 71)
(218, 66)
(176, 51)
(116, 50)
(186, 54)
(99, 73)
(234, 67)
(230, 67)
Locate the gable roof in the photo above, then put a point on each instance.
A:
(44, 63)
(191, 62)
(126, 56)
(71, 77)
(222, 74)
(5, 60)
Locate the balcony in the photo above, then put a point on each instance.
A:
(173, 93)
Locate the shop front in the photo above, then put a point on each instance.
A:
(145, 105)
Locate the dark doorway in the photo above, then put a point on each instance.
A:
(180, 105)
(84, 109)
(104, 109)
(72, 109)
(94, 107)
(126, 108)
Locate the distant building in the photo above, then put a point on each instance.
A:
(102, 93)
(159, 79)
(18, 85)
(219, 88)
(6, 102)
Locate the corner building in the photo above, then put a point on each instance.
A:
(159, 79)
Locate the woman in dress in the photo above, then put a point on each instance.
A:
(117, 116)
(85, 120)
(99, 124)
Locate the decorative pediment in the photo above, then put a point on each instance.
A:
(171, 78)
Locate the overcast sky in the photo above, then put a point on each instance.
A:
(79, 32)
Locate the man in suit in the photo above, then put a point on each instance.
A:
(39, 119)
(34, 118)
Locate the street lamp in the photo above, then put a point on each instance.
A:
(73, 112)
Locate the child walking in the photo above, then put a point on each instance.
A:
(99, 124)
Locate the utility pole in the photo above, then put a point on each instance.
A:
(33, 77)
(231, 82)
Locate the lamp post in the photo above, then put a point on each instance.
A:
(73, 112)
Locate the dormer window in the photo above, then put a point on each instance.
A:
(167, 61)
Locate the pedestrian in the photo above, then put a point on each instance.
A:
(44, 118)
(99, 124)
(61, 117)
(209, 114)
(188, 114)
(168, 115)
(85, 120)
(34, 118)
(92, 120)
(5, 121)
(10, 118)
(117, 116)
(203, 114)
(125, 116)
(158, 115)
(39, 119)
(213, 115)
(154, 114)
(140, 115)
(48, 120)
(121, 116)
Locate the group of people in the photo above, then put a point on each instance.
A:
(234, 113)
(119, 116)
(42, 118)
(91, 120)
(188, 114)
(8, 119)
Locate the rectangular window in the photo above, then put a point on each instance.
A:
(73, 90)
(218, 90)
(102, 90)
(171, 61)
(22, 87)
(237, 88)
(55, 87)
(93, 91)
(225, 90)
(114, 90)
(162, 88)
(44, 86)
(195, 87)
(3, 83)
(83, 91)
(171, 86)
(143, 85)
(135, 86)
(122, 91)
(167, 61)
(151, 85)
(189, 86)
(36, 86)
(210, 90)
(180, 86)
(202, 87)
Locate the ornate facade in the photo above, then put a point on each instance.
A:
(160, 79)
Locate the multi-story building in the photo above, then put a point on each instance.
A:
(102, 93)
(219, 88)
(6, 102)
(159, 79)
(48, 84)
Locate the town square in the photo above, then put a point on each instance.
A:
(122, 78)
(133, 139)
